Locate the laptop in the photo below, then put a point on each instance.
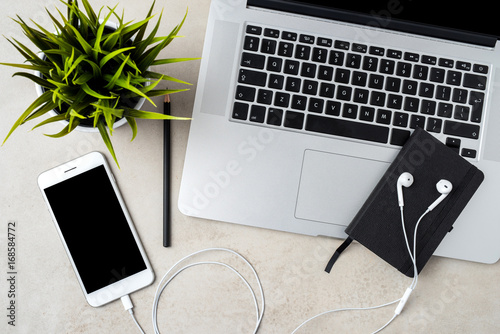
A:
(302, 105)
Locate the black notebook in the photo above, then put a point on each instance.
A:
(378, 226)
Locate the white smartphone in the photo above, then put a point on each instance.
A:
(96, 229)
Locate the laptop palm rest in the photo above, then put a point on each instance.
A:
(325, 197)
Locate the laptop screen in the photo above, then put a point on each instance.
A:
(449, 19)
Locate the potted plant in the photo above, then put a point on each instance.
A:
(92, 73)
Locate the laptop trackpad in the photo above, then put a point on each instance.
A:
(333, 187)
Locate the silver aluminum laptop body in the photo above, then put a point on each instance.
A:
(314, 184)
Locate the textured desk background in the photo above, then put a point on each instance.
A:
(452, 296)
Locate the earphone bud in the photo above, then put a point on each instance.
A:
(404, 180)
(444, 187)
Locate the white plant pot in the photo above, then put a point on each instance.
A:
(87, 128)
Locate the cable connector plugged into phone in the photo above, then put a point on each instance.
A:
(128, 305)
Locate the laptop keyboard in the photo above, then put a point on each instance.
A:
(320, 85)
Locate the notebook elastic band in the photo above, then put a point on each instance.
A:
(337, 253)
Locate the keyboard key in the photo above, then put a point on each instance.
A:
(264, 96)
(403, 69)
(268, 46)
(257, 114)
(281, 99)
(420, 72)
(240, 111)
(475, 81)
(310, 87)
(251, 43)
(387, 66)
(308, 70)
(302, 52)
(336, 58)
(430, 60)
(367, 114)
(342, 75)
(464, 66)
(417, 121)
(411, 104)
(344, 93)
(384, 116)
(400, 119)
(426, 90)
(285, 49)
(255, 30)
(480, 68)
(333, 108)
(252, 60)
(410, 87)
(377, 51)
(324, 42)
(410, 56)
(353, 60)
(377, 99)
(271, 32)
(399, 137)
(446, 62)
(316, 105)
(291, 67)
(308, 39)
(454, 78)
(326, 90)
(376, 81)
(445, 110)
(245, 93)
(345, 128)
(274, 64)
(443, 93)
(434, 125)
(325, 73)
(461, 129)
(342, 45)
(392, 84)
(276, 81)
(468, 153)
(476, 100)
(361, 48)
(370, 63)
(459, 95)
(274, 116)
(359, 78)
(361, 95)
(293, 84)
(394, 54)
(453, 143)
(350, 111)
(320, 55)
(394, 101)
(289, 36)
(437, 75)
(461, 113)
(299, 102)
(294, 120)
(252, 77)
(428, 107)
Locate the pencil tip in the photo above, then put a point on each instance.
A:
(167, 98)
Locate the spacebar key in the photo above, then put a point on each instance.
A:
(343, 128)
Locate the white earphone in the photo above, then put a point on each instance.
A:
(444, 187)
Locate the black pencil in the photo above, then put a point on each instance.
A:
(166, 174)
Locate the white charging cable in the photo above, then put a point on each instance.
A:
(162, 285)
(402, 301)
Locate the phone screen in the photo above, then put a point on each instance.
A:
(95, 229)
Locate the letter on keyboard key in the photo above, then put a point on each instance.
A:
(348, 129)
